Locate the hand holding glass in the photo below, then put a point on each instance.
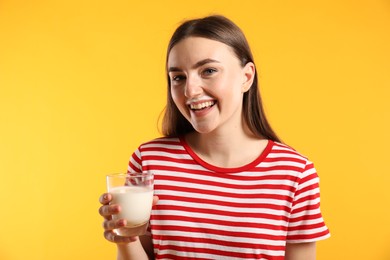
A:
(133, 192)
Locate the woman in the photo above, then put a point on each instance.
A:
(225, 186)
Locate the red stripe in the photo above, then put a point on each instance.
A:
(308, 198)
(165, 159)
(306, 217)
(219, 222)
(305, 208)
(220, 242)
(308, 236)
(228, 203)
(216, 252)
(162, 149)
(136, 159)
(308, 178)
(227, 233)
(261, 168)
(250, 186)
(284, 160)
(176, 257)
(215, 192)
(306, 227)
(222, 212)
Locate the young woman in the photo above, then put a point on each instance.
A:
(225, 185)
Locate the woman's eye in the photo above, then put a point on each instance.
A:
(177, 78)
(209, 71)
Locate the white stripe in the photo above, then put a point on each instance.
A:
(137, 165)
(308, 172)
(167, 154)
(285, 155)
(228, 209)
(198, 255)
(249, 184)
(307, 203)
(307, 193)
(307, 231)
(282, 148)
(305, 213)
(224, 208)
(306, 222)
(230, 228)
(167, 146)
(308, 182)
(192, 166)
(220, 237)
(217, 178)
(221, 248)
(263, 164)
(231, 199)
(223, 189)
(314, 239)
(283, 163)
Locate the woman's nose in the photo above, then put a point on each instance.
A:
(193, 87)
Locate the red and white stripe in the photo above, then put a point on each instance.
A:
(249, 212)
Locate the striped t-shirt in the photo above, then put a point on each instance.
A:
(248, 212)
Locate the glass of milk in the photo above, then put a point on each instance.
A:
(134, 193)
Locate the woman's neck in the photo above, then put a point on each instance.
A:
(227, 150)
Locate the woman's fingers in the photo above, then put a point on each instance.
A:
(155, 200)
(114, 224)
(112, 237)
(105, 198)
(107, 211)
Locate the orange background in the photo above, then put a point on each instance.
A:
(82, 85)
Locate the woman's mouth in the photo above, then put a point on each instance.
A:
(201, 105)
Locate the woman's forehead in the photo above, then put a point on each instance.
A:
(192, 50)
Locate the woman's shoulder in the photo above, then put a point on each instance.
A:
(286, 151)
(161, 142)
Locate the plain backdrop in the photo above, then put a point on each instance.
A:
(82, 84)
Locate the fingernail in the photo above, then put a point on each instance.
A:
(105, 197)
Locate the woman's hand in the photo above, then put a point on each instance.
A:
(109, 224)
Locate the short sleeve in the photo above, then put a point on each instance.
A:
(135, 162)
(306, 223)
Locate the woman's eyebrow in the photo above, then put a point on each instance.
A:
(196, 65)
(203, 62)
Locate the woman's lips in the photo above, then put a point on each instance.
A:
(201, 105)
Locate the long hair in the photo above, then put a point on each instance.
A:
(221, 29)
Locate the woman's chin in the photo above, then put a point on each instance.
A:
(203, 128)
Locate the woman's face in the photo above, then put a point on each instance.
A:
(208, 83)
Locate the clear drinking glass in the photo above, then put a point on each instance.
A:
(134, 193)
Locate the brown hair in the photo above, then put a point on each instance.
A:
(221, 29)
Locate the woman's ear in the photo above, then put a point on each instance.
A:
(249, 72)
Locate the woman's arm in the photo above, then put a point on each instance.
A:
(141, 249)
(300, 251)
(147, 244)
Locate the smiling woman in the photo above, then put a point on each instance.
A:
(231, 36)
(208, 74)
(225, 186)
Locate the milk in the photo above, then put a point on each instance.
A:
(135, 203)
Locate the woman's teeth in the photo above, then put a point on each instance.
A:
(202, 105)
